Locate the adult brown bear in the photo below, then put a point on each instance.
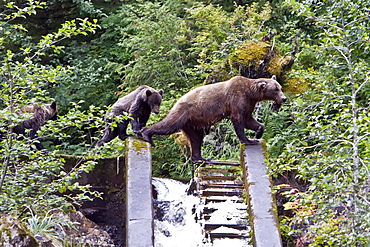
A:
(204, 106)
(138, 104)
(40, 114)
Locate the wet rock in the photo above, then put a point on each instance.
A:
(13, 233)
(44, 241)
(87, 232)
(83, 233)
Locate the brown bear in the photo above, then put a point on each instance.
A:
(41, 114)
(204, 106)
(138, 104)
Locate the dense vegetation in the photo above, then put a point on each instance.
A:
(85, 54)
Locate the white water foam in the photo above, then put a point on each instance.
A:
(177, 224)
(174, 223)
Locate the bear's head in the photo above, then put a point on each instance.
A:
(271, 90)
(43, 112)
(50, 111)
(154, 99)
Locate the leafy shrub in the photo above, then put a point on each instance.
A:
(32, 178)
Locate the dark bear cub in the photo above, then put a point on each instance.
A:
(204, 106)
(40, 114)
(138, 104)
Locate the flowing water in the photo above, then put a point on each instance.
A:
(174, 223)
(179, 218)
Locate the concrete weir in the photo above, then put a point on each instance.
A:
(262, 207)
(215, 184)
(139, 202)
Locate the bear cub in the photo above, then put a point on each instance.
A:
(40, 114)
(138, 104)
(206, 105)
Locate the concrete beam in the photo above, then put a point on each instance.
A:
(139, 202)
(262, 207)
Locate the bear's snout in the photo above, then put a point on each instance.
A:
(156, 111)
(280, 100)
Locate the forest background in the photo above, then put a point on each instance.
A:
(85, 54)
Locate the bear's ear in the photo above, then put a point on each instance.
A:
(262, 85)
(148, 92)
(274, 77)
(53, 105)
(161, 91)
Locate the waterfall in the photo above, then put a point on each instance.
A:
(182, 220)
(175, 223)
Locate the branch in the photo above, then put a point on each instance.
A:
(330, 142)
(5, 169)
(46, 47)
(365, 166)
(362, 84)
(356, 20)
(358, 41)
(363, 137)
(363, 198)
(133, 11)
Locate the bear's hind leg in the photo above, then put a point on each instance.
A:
(167, 126)
(147, 135)
(33, 136)
(122, 127)
(195, 138)
(109, 135)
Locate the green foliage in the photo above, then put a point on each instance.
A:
(88, 82)
(171, 163)
(331, 153)
(221, 143)
(50, 226)
(74, 132)
(32, 178)
(322, 133)
(157, 60)
(215, 34)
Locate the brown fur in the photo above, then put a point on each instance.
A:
(138, 104)
(204, 106)
(41, 114)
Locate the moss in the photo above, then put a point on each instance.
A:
(296, 84)
(139, 144)
(276, 64)
(250, 53)
(253, 60)
(265, 149)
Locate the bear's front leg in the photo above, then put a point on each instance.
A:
(252, 124)
(137, 131)
(260, 131)
(33, 136)
(239, 130)
(136, 126)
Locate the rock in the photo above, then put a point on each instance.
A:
(83, 233)
(13, 233)
(86, 232)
